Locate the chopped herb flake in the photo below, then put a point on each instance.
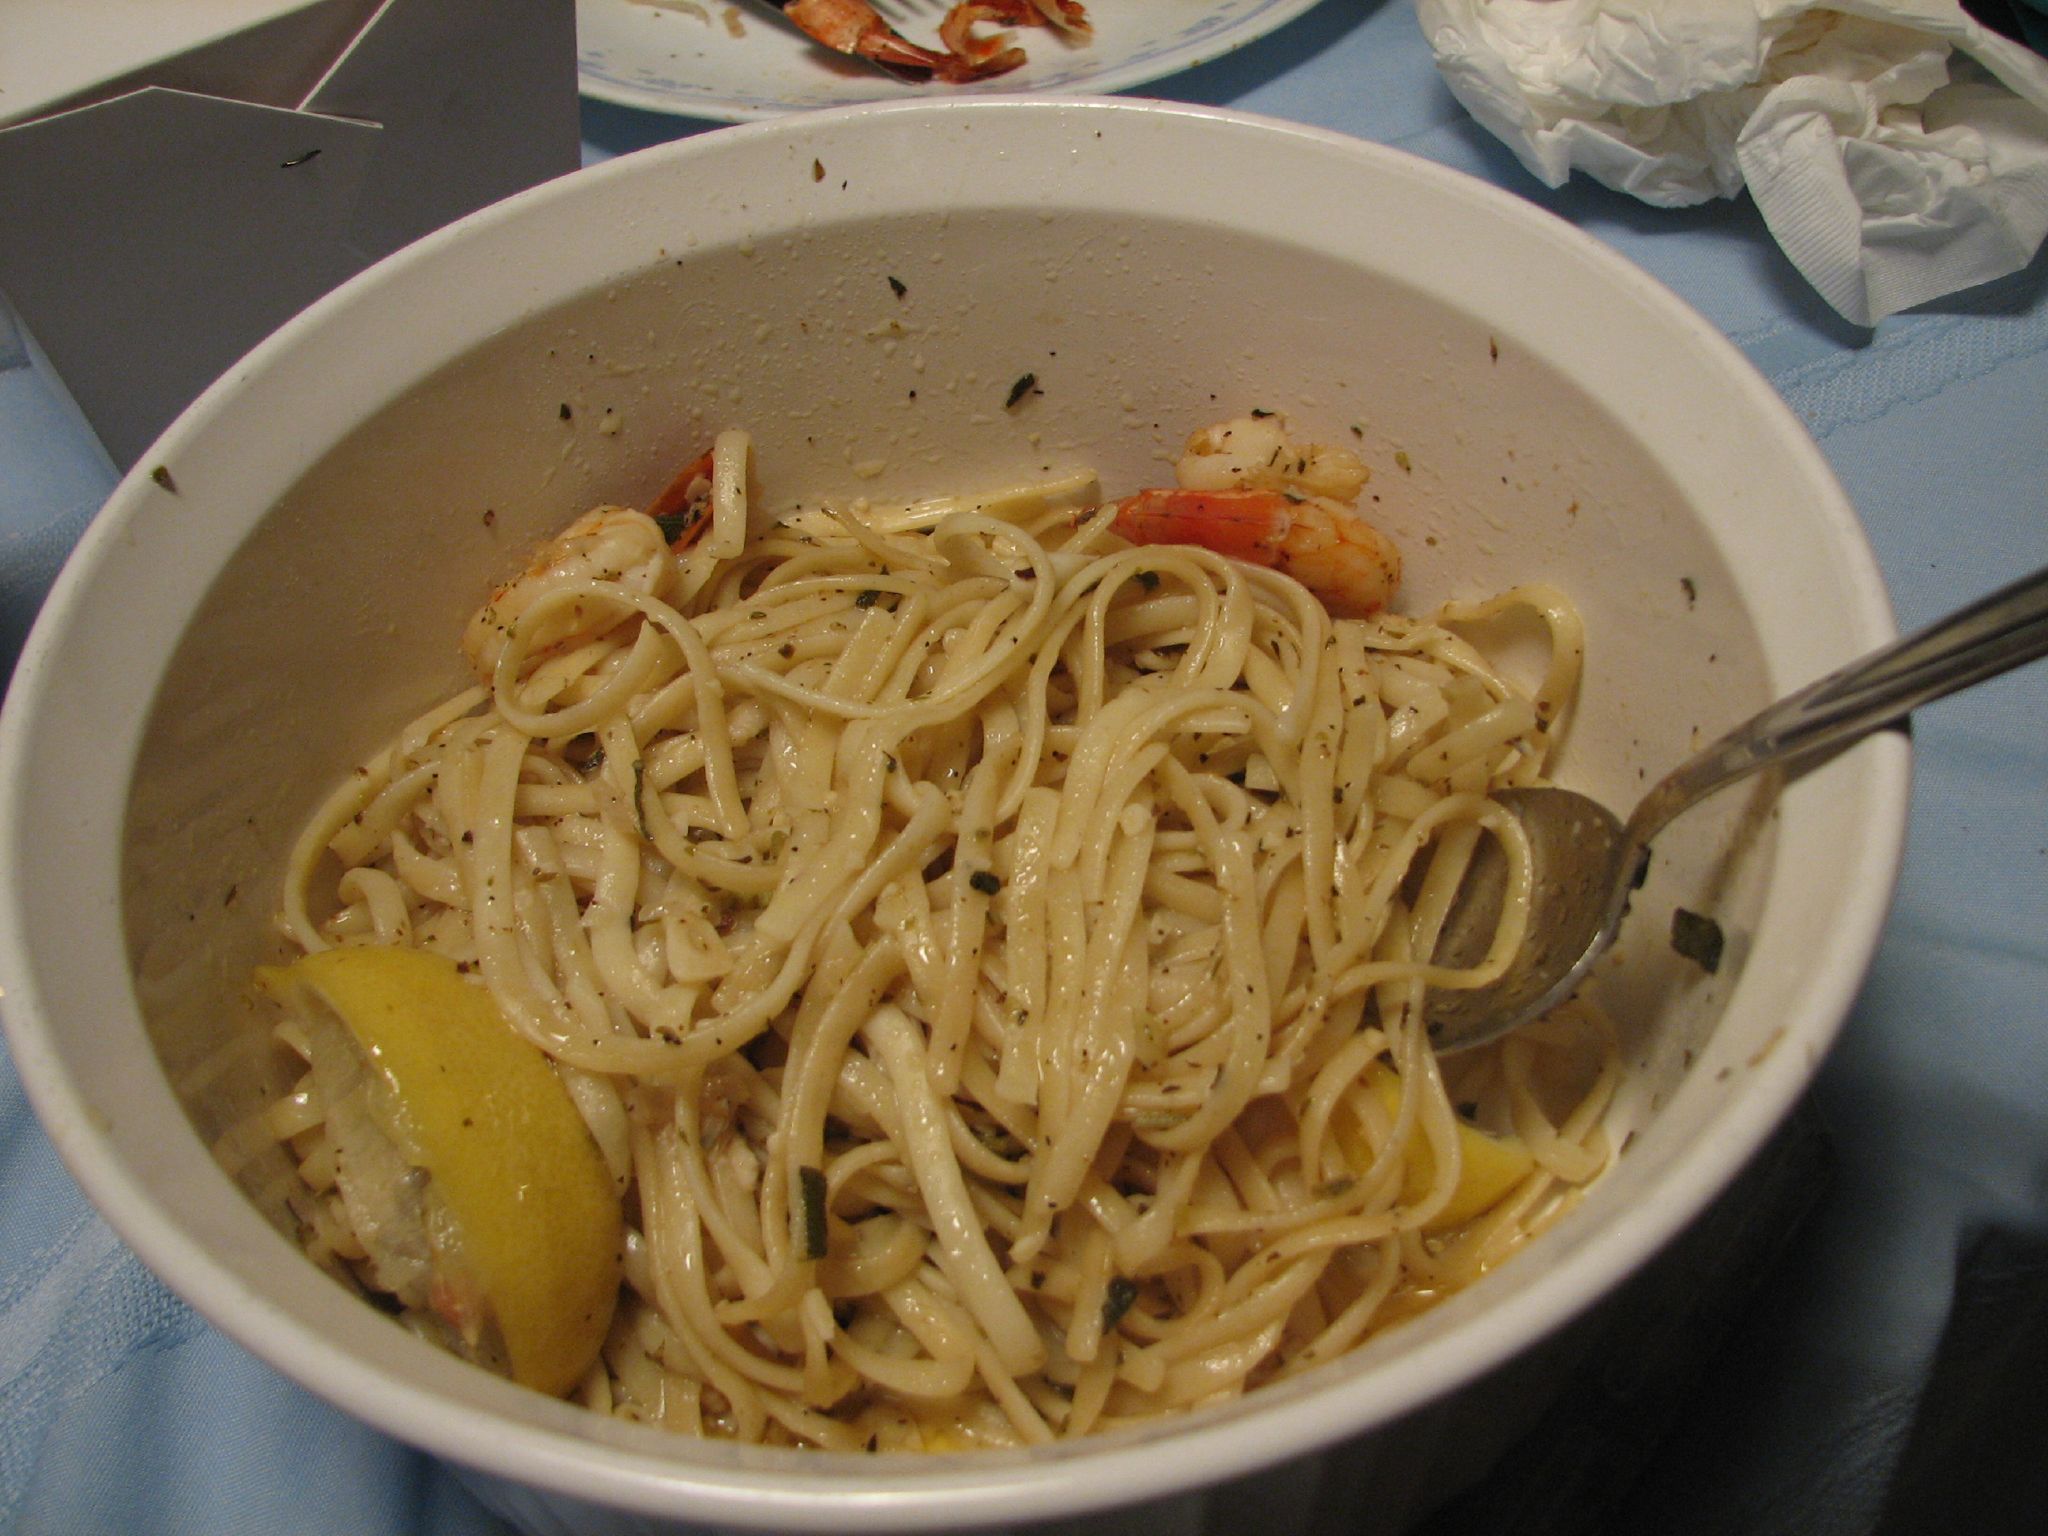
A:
(985, 882)
(1116, 1301)
(1025, 384)
(1698, 938)
(811, 1211)
(674, 525)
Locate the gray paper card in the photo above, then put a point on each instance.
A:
(149, 239)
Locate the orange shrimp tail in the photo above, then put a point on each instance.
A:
(988, 55)
(684, 507)
(1245, 525)
(993, 54)
(1063, 15)
(854, 27)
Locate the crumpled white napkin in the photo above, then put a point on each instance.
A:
(1897, 149)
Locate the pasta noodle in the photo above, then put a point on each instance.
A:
(987, 956)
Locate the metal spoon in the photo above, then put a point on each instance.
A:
(1586, 862)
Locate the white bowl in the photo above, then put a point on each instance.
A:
(280, 580)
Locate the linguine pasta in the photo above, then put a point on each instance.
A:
(986, 956)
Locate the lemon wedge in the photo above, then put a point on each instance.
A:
(525, 1224)
(1488, 1166)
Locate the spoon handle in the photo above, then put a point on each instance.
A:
(1990, 636)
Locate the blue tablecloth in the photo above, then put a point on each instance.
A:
(121, 1410)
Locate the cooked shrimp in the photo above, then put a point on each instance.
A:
(1068, 16)
(604, 544)
(684, 507)
(854, 27)
(1248, 492)
(1253, 452)
(957, 30)
(1321, 543)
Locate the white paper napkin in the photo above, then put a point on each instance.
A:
(1897, 149)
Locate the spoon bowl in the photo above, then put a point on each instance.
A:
(1584, 862)
(1576, 852)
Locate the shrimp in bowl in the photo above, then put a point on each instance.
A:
(1245, 490)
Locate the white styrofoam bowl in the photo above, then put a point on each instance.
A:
(281, 579)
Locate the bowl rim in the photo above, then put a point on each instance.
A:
(984, 1487)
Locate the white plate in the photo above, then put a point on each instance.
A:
(682, 55)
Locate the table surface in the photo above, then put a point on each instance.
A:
(1935, 1104)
